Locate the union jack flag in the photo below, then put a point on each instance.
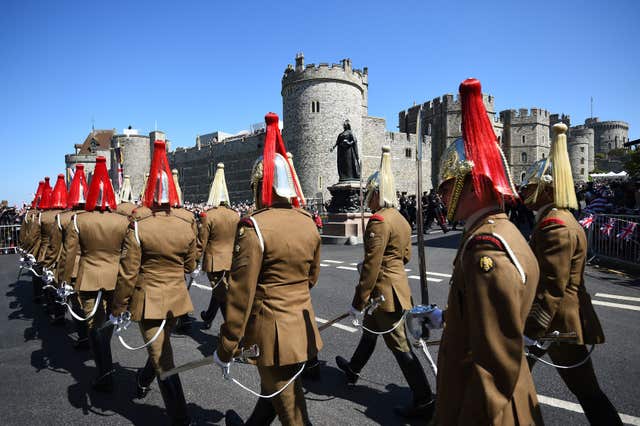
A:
(627, 231)
(587, 221)
(608, 227)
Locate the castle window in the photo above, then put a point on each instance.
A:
(500, 140)
(407, 152)
(582, 171)
(522, 176)
(582, 149)
(524, 139)
(523, 157)
(428, 129)
(582, 160)
(616, 139)
(315, 106)
(544, 155)
(609, 144)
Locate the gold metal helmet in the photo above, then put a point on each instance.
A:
(218, 194)
(382, 181)
(554, 171)
(126, 195)
(176, 182)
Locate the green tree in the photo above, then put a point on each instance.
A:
(632, 165)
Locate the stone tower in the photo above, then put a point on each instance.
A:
(608, 135)
(580, 147)
(135, 154)
(525, 139)
(316, 100)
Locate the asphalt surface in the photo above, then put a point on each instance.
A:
(45, 381)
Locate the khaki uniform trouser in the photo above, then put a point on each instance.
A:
(88, 302)
(219, 284)
(289, 404)
(160, 351)
(383, 321)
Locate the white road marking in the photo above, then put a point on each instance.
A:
(416, 277)
(204, 287)
(353, 264)
(337, 325)
(333, 261)
(323, 264)
(616, 296)
(439, 274)
(572, 406)
(407, 270)
(616, 305)
(348, 268)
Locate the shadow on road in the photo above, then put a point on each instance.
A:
(57, 354)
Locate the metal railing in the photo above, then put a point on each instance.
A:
(9, 238)
(610, 247)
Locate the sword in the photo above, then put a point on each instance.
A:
(371, 306)
(557, 337)
(245, 353)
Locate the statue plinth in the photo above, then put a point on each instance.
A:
(344, 223)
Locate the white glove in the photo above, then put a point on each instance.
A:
(529, 341)
(48, 277)
(434, 317)
(224, 366)
(356, 315)
(196, 272)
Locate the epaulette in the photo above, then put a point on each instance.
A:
(486, 239)
(141, 213)
(551, 221)
(377, 217)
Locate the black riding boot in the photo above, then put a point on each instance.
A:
(599, 410)
(57, 312)
(37, 289)
(360, 357)
(209, 315)
(144, 378)
(423, 401)
(173, 396)
(82, 344)
(101, 348)
(312, 369)
(263, 414)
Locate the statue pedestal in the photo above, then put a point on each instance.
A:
(344, 224)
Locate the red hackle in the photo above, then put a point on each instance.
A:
(101, 176)
(59, 195)
(78, 188)
(45, 200)
(160, 163)
(38, 195)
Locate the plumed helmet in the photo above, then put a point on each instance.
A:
(554, 171)
(101, 195)
(45, 200)
(59, 194)
(126, 195)
(383, 182)
(160, 189)
(38, 195)
(78, 189)
(273, 171)
(218, 193)
(477, 153)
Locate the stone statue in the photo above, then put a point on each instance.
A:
(348, 160)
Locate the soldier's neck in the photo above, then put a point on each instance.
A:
(479, 214)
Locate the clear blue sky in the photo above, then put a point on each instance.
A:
(200, 66)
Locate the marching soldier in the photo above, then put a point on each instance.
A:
(29, 232)
(562, 303)
(387, 245)
(159, 248)
(215, 241)
(269, 300)
(39, 246)
(483, 376)
(97, 234)
(50, 228)
(76, 200)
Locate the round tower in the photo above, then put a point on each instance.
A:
(134, 158)
(608, 135)
(316, 100)
(579, 143)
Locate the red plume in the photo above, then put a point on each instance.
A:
(78, 188)
(273, 144)
(45, 200)
(481, 144)
(159, 164)
(59, 195)
(101, 185)
(38, 195)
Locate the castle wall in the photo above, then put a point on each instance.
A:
(579, 143)
(608, 135)
(136, 151)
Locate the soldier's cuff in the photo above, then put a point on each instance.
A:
(226, 350)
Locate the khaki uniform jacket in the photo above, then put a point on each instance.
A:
(269, 298)
(64, 222)
(160, 247)
(215, 238)
(483, 375)
(24, 230)
(99, 237)
(126, 208)
(48, 227)
(562, 302)
(387, 248)
(32, 237)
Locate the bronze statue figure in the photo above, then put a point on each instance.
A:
(348, 159)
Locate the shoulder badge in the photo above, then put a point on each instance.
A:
(241, 232)
(377, 217)
(486, 264)
(551, 221)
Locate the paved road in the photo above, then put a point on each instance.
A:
(44, 381)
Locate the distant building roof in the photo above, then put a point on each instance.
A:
(102, 141)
